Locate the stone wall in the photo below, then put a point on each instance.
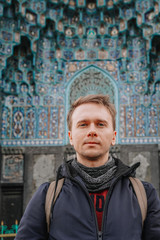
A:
(148, 156)
(41, 163)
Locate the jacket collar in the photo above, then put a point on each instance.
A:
(122, 169)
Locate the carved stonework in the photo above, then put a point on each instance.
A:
(12, 168)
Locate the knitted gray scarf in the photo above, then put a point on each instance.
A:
(97, 178)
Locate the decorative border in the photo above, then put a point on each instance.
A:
(54, 143)
(37, 142)
(140, 140)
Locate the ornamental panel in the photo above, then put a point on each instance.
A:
(12, 168)
(45, 45)
(91, 81)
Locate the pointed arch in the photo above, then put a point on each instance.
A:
(91, 80)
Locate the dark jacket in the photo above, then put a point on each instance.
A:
(74, 217)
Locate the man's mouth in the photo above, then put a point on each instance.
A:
(92, 143)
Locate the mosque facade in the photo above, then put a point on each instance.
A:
(51, 53)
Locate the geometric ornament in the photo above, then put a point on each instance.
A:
(91, 81)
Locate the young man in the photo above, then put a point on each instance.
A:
(97, 200)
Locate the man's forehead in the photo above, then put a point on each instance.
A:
(90, 110)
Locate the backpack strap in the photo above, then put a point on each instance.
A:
(141, 196)
(51, 197)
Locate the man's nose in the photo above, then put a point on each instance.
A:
(92, 132)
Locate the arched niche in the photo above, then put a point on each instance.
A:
(91, 80)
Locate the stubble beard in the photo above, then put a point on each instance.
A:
(93, 158)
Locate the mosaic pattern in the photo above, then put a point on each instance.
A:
(144, 126)
(18, 123)
(152, 124)
(42, 122)
(51, 52)
(89, 82)
(30, 123)
(6, 122)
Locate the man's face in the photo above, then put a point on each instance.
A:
(92, 134)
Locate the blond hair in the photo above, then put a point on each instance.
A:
(94, 98)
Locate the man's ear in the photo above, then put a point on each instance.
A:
(70, 137)
(114, 138)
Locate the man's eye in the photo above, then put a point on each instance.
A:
(101, 124)
(83, 124)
